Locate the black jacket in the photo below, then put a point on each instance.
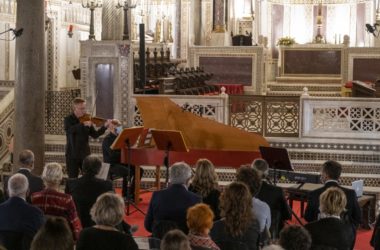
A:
(35, 183)
(85, 191)
(331, 232)
(353, 208)
(77, 146)
(109, 155)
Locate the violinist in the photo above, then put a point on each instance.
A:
(77, 136)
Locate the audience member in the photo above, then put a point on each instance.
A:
(272, 247)
(205, 184)
(26, 160)
(199, 221)
(86, 189)
(113, 157)
(330, 230)
(54, 234)
(274, 197)
(19, 221)
(260, 209)
(330, 175)
(107, 212)
(171, 204)
(295, 237)
(175, 240)
(53, 202)
(2, 197)
(238, 223)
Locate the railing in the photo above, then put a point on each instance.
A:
(271, 116)
(357, 118)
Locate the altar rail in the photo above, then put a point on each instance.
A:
(271, 116)
(355, 118)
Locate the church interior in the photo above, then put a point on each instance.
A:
(233, 76)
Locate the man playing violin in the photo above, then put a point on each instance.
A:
(77, 136)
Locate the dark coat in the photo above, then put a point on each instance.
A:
(109, 155)
(19, 222)
(36, 184)
(77, 136)
(212, 199)
(250, 238)
(170, 204)
(331, 232)
(352, 207)
(85, 190)
(375, 240)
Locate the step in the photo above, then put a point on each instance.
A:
(313, 79)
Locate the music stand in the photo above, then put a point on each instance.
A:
(127, 138)
(169, 140)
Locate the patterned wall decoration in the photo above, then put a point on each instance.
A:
(58, 105)
(267, 115)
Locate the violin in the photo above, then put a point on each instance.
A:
(98, 121)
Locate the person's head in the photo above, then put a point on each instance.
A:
(52, 174)
(18, 186)
(295, 237)
(108, 210)
(175, 240)
(205, 178)
(249, 177)
(79, 107)
(236, 208)
(200, 219)
(331, 170)
(54, 234)
(261, 166)
(180, 173)
(91, 165)
(273, 247)
(332, 201)
(115, 127)
(26, 159)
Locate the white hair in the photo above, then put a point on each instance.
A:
(180, 173)
(18, 185)
(273, 247)
(52, 173)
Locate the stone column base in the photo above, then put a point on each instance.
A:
(220, 39)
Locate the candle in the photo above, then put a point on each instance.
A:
(71, 28)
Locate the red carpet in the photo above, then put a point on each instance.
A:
(137, 218)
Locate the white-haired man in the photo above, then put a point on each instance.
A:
(19, 221)
(171, 204)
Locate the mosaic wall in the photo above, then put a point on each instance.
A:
(58, 105)
(267, 115)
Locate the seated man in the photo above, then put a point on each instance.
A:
(19, 221)
(113, 157)
(274, 197)
(171, 204)
(330, 175)
(86, 189)
(26, 159)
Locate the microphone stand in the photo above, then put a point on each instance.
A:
(166, 162)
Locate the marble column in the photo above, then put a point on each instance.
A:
(29, 132)
(219, 16)
(197, 21)
(177, 39)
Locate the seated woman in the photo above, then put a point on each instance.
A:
(107, 212)
(330, 230)
(238, 223)
(54, 234)
(199, 221)
(205, 184)
(53, 202)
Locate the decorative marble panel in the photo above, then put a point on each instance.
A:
(267, 115)
(341, 118)
(58, 105)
